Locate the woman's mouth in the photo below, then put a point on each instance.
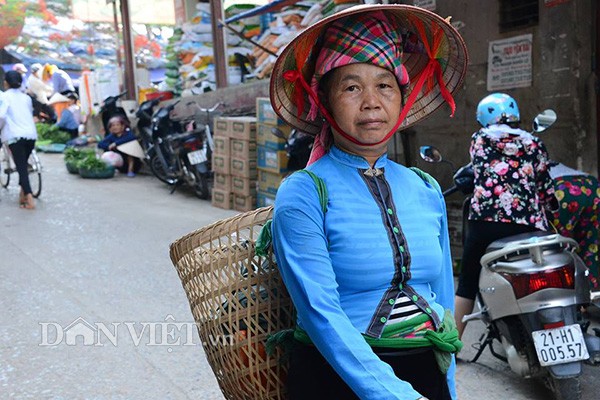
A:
(371, 123)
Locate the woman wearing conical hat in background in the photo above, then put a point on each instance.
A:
(361, 241)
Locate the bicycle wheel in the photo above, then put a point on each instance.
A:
(34, 168)
(4, 167)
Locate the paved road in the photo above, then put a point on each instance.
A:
(93, 258)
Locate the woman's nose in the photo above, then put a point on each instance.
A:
(370, 99)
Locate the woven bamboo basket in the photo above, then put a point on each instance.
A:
(237, 299)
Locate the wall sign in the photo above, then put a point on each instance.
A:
(509, 63)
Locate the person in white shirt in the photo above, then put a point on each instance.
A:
(18, 131)
(40, 92)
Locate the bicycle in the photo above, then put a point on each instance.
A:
(34, 167)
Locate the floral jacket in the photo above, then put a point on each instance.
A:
(512, 182)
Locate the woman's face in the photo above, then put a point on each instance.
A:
(116, 128)
(365, 101)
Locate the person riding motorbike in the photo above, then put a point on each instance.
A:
(39, 93)
(512, 189)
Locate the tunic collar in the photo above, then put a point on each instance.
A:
(353, 160)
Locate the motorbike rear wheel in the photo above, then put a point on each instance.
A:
(201, 186)
(565, 389)
(158, 170)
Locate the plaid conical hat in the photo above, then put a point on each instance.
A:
(434, 55)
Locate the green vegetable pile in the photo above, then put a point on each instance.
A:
(74, 156)
(90, 163)
(48, 132)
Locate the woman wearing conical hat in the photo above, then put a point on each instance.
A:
(361, 241)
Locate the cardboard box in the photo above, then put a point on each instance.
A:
(272, 160)
(243, 168)
(265, 138)
(221, 126)
(243, 149)
(269, 182)
(243, 186)
(222, 199)
(244, 203)
(242, 128)
(222, 181)
(222, 145)
(221, 164)
(265, 113)
(264, 199)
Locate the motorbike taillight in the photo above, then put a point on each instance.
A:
(526, 284)
(192, 145)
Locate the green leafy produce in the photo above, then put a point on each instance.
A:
(52, 133)
(74, 155)
(91, 163)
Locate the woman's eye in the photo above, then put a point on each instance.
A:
(352, 88)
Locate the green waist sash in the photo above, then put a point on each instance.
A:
(444, 341)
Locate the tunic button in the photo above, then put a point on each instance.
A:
(428, 310)
(396, 230)
(402, 249)
(403, 269)
(400, 286)
(383, 320)
(415, 298)
(391, 301)
(389, 211)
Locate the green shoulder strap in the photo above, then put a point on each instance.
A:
(321, 188)
(427, 178)
(263, 242)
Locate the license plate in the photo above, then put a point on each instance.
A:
(197, 157)
(560, 345)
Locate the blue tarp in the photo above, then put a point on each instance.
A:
(275, 5)
(28, 60)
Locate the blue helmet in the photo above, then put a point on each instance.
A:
(497, 108)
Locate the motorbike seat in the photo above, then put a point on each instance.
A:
(181, 136)
(501, 243)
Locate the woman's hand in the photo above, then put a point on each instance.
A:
(112, 146)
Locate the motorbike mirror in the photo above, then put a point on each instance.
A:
(544, 120)
(277, 132)
(430, 154)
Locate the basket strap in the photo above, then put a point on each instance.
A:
(263, 242)
(427, 178)
(321, 188)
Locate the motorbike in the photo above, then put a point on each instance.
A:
(110, 108)
(298, 146)
(181, 153)
(531, 290)
(43, 113)
(144, 125)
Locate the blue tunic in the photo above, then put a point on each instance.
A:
(380, 237)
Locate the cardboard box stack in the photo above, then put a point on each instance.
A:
(222, 196)
(272, 157)
(234, 163)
